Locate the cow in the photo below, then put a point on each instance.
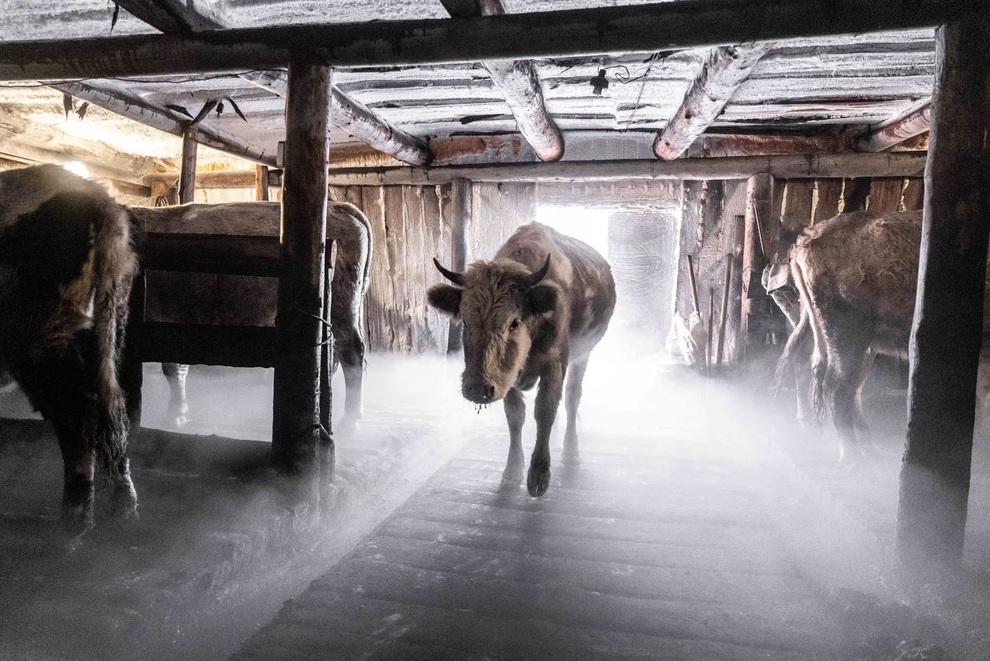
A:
(245, 300)
(67, 261)
(530, 314)
(857, 278)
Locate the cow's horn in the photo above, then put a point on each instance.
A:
(540, 274)
(456, 278)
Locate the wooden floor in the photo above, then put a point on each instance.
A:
(652, 547)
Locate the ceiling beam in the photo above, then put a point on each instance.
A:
(628, 28)
(914, 121)
(127, 104)
(724, 70)
(520, 86)
(798, 166)
(354, 117)
(178, 17)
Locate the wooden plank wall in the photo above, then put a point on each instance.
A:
(407, 230)
(708, 210)
(497, 211)
(802, 202)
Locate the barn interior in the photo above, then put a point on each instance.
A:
(689, 142)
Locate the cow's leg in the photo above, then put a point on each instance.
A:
(349, 351)
(178, 405)
(572, 399)
(515, 415)
(79, 465)
(547, 401)
(802, 373)
(849, 343)
(124, 497)
(862, 428)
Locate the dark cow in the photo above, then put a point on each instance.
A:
(533, 312)
(857, 278)
(245, 300)
(67, 261)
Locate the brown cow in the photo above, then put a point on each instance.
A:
(67, 261)
(857, 277)
(533, 312)
(201, 298)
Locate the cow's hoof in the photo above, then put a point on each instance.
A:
(75, 524)
(538, 480)
(571, 455)
(123, 509)
(348, 426)
(512, 477)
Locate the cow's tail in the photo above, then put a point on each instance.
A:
(366, 277)
(795, 340)
(819, 364)
(114, 268)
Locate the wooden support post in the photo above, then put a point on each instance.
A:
(709, 344)
(460, 223)
(735, 339)
(948, 318)
(758, 200)
(296, 429)
(694, 284)
(723, 314)
(187, 173)
(261, 184)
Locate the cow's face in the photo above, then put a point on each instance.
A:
(501, 304)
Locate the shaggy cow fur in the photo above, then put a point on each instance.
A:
(533, 312)
(857, 277)
(66, 265)
(245, 300)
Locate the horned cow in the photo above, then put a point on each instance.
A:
(857, 277)
(530, 314)
(245, 300)
(67, 262)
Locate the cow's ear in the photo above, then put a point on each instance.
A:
(542, 298)
(445, 298)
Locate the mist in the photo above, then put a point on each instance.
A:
(744, 512)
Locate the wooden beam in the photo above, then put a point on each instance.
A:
(914, 121)
(296, 430)
(645, 28)
(118, 100)
(948, 319)
(798, 166)
(725, 69)
(520, 86)
(176, 17)
(720, 146)
(355, 118)
(173, 16)
(458, 207)
(187, 173)
(261, 193)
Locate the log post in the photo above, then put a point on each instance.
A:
(296, 429)
(187, 172)
(261, 184)
(735, 338)
(460, 207)
(759, 192)
(948, 319)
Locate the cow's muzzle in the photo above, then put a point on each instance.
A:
(479, 393)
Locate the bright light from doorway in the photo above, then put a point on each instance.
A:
(76, 167)
(588, 225)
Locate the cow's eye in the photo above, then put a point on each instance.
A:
(514, 325)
